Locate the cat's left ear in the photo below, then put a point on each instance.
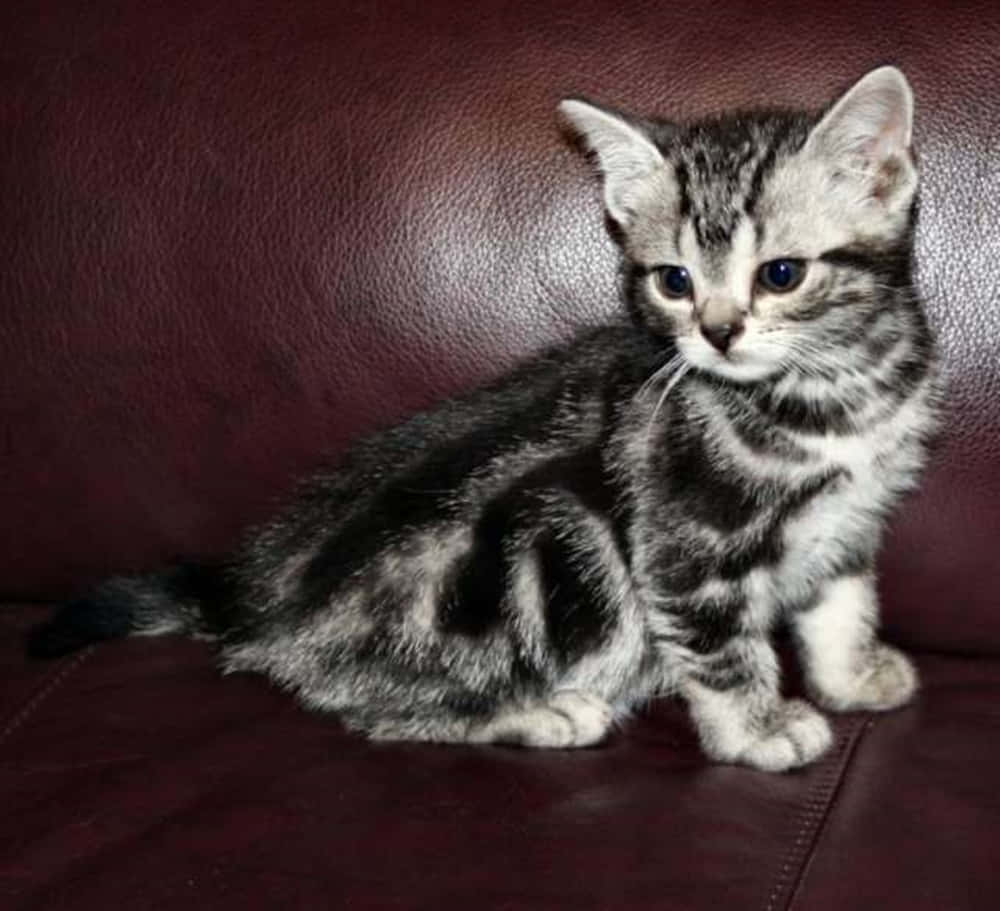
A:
(866, 137)
(626, 155)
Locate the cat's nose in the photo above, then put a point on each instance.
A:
(721, 335)
(721, 321)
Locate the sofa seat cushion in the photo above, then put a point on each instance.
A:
(135, 776)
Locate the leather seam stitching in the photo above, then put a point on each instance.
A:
(814, 815)
(50, 686)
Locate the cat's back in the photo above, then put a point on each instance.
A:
(551, 400)
(401, 506)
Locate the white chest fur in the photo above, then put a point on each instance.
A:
(876, 466)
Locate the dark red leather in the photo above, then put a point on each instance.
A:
(916, 822)
(134, 778)
(234, 236)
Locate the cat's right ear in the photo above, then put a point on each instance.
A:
(626, 156)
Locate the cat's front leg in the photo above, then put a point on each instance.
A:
(847, 667)
(740, 715)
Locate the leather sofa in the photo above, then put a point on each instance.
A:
(237, 235)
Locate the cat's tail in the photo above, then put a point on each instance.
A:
(182, 599)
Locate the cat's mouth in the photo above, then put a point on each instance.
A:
(741, 362)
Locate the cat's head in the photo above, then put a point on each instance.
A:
(762, 242)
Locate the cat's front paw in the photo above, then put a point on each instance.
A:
(794, 735)
(886, 680)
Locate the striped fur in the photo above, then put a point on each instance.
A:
(632, 514)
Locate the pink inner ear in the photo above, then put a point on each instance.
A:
(890, 140)
(888, 174)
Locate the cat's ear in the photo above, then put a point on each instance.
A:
(626, 156)
(866, 136)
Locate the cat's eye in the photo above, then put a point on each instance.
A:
(675, 281)
(781, 275)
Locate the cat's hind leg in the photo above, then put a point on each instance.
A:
(574, 613)
(565, 720)
(548, 666)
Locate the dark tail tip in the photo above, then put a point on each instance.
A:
(77, 624)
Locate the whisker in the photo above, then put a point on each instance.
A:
(678, 375)
(670, 365)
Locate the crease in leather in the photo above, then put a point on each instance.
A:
(51, 683)
(815, 812)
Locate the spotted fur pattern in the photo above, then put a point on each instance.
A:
(631, 514)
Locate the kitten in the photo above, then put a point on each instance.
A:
(633, 513)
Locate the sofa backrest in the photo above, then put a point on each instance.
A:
(236, 236)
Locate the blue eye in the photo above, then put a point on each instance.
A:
(675, 281)
(781, 275)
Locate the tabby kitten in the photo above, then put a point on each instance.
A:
(630, 514)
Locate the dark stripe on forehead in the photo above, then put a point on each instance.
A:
(722, 168)
(717, 230)
(683, 179)
(683, 184)
(766, 165)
